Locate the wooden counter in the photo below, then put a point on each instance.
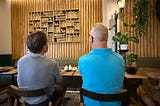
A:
(7, 76)
(71, 79)
(139, 75)
(8, 70)
(153, 73)
(70, 73)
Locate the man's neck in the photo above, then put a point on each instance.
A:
(40, 53)
(99, 45)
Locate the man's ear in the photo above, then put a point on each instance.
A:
(45, 48)
(92, 39)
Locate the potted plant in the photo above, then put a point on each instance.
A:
(140, 13)
(131, 63)
(123, 39)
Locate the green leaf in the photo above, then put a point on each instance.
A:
(116, 38)
(124, 40)
(134, 39)
(132, 57)
(121, 38)
(127, 32)
(128, 25)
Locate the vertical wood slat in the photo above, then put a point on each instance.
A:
(149, 45)
(155, 32)
(89, 10)
(144, 48)
(151, 33)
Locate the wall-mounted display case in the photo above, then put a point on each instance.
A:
(59, 25)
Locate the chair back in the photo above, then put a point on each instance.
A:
(19, 92)
(27, 93)
(122, 96)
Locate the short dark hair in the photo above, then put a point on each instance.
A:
(36, 41)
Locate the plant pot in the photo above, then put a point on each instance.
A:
(124, 47)
(131, 70)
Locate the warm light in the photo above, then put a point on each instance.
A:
(121, 3)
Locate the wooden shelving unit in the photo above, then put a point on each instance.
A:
(59, 25)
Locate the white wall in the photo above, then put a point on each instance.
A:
(108, 10)
(5, 27)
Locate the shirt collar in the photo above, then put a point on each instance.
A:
(34, 54)
(101, 50)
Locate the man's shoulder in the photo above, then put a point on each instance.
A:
(23, 58)
(51, 61)
(86, 56)
(118, 55)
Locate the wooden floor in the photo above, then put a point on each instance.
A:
(74, 98)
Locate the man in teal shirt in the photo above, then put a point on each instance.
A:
(102, 70)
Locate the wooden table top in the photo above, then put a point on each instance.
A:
(8, 70)
(145, 72)
(11, 70)
(142, 73)
(134, 76)
(69, 73)
(153, 73)
(139, 75)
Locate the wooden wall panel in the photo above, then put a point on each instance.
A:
(149, 45)
(90, 13)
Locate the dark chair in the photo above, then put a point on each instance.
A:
(17, 93)
(122, 96)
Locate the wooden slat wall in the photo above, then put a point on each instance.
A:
(149, 45)
(90, 13)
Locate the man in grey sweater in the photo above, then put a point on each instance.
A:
(35, 71)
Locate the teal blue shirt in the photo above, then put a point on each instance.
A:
(102, 71)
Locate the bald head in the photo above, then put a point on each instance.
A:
(99, 32)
